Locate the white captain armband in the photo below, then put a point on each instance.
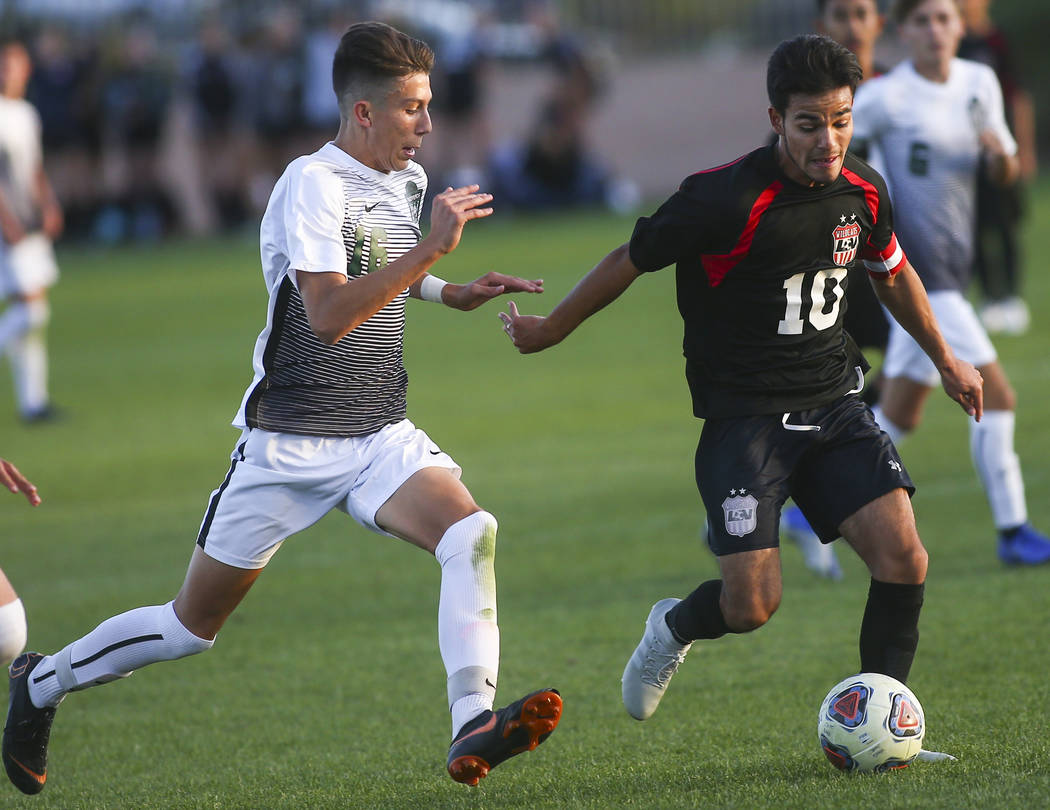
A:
(431, 287)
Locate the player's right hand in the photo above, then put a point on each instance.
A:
(964, 383)
(528, 333)
(451, 210)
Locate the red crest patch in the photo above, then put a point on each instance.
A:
(845, 239)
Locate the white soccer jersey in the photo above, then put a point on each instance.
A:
(20, 158)
(927, 133)
(330, 213)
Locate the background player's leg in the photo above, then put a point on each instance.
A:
(900, 406)
(883, 533)
(435, 511)
(146, 635)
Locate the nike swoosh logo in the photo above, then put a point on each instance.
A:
(37, 777)
(370, 207)
(437, 453)
(490, 683)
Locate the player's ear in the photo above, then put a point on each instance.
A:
(362, 113)
(776, 120)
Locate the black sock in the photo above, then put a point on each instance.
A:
(698, 615)
(889, 632)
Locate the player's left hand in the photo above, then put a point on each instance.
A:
(471, 296)
(964, 383)
(528, 333)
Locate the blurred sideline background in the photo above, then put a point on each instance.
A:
(167, 117)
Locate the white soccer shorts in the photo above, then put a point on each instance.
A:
(961, 328)
(281, 483)
(27, 266)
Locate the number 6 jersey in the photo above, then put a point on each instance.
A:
(761, 269)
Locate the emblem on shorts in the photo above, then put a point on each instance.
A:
(845, 239)
(741, 512)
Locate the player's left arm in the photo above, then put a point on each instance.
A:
(50, 209)
(472, 295)
(904, 295)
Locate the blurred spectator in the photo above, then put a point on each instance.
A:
(1000, 209)
(277, 75)
(214, 75)
(136, 95)
(64, 89)
(551, 168)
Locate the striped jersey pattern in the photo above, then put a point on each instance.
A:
(330, 213)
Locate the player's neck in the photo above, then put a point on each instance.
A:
(938, 71)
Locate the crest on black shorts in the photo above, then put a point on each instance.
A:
(741, 513)
(845, 239)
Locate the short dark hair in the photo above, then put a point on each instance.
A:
(809, 64)
(823, 4)
(371, 54)
(902, 8)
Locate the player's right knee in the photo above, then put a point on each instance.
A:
(12, 631)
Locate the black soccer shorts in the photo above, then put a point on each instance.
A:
(747, 467)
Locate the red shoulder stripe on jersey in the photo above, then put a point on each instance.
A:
(723, 166)
(871, 194)
(716, 266)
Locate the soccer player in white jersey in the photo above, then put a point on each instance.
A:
(932, 117)
(30, 218)
(12, 612)
(324, 423)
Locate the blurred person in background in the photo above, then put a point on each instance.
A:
(214, 75)
(64, 88)
(936, 119)
(30, 219)
(136, 97)
(1000, 209)
(12, 611)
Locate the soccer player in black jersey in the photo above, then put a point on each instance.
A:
(762, 247)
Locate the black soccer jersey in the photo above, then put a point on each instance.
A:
(762, 277)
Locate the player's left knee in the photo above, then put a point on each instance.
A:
(474, 535)
(747, 615)
(13, 631)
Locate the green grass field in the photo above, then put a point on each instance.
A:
(325, 690)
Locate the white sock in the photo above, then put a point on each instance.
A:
(114, 650)
(29, 363)
(998, 467)
(895, 432)
(468, 634)
(12, 631)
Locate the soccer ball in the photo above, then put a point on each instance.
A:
(870, 722)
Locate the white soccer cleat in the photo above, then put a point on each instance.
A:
(653, 662)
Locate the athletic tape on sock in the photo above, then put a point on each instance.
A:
(471, 681)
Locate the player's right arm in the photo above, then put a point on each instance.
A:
(336, 304)
(596, 290)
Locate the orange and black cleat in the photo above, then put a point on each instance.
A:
(27, 731)
(492, 737)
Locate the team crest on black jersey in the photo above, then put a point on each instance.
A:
(741, 512)
(845, 239)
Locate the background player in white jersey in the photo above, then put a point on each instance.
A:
(30, 217)
(12, 612)
(857, 25)
(324, 422)
(933, 117)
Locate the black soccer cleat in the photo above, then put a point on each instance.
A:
(492, 737)
(27, 730)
